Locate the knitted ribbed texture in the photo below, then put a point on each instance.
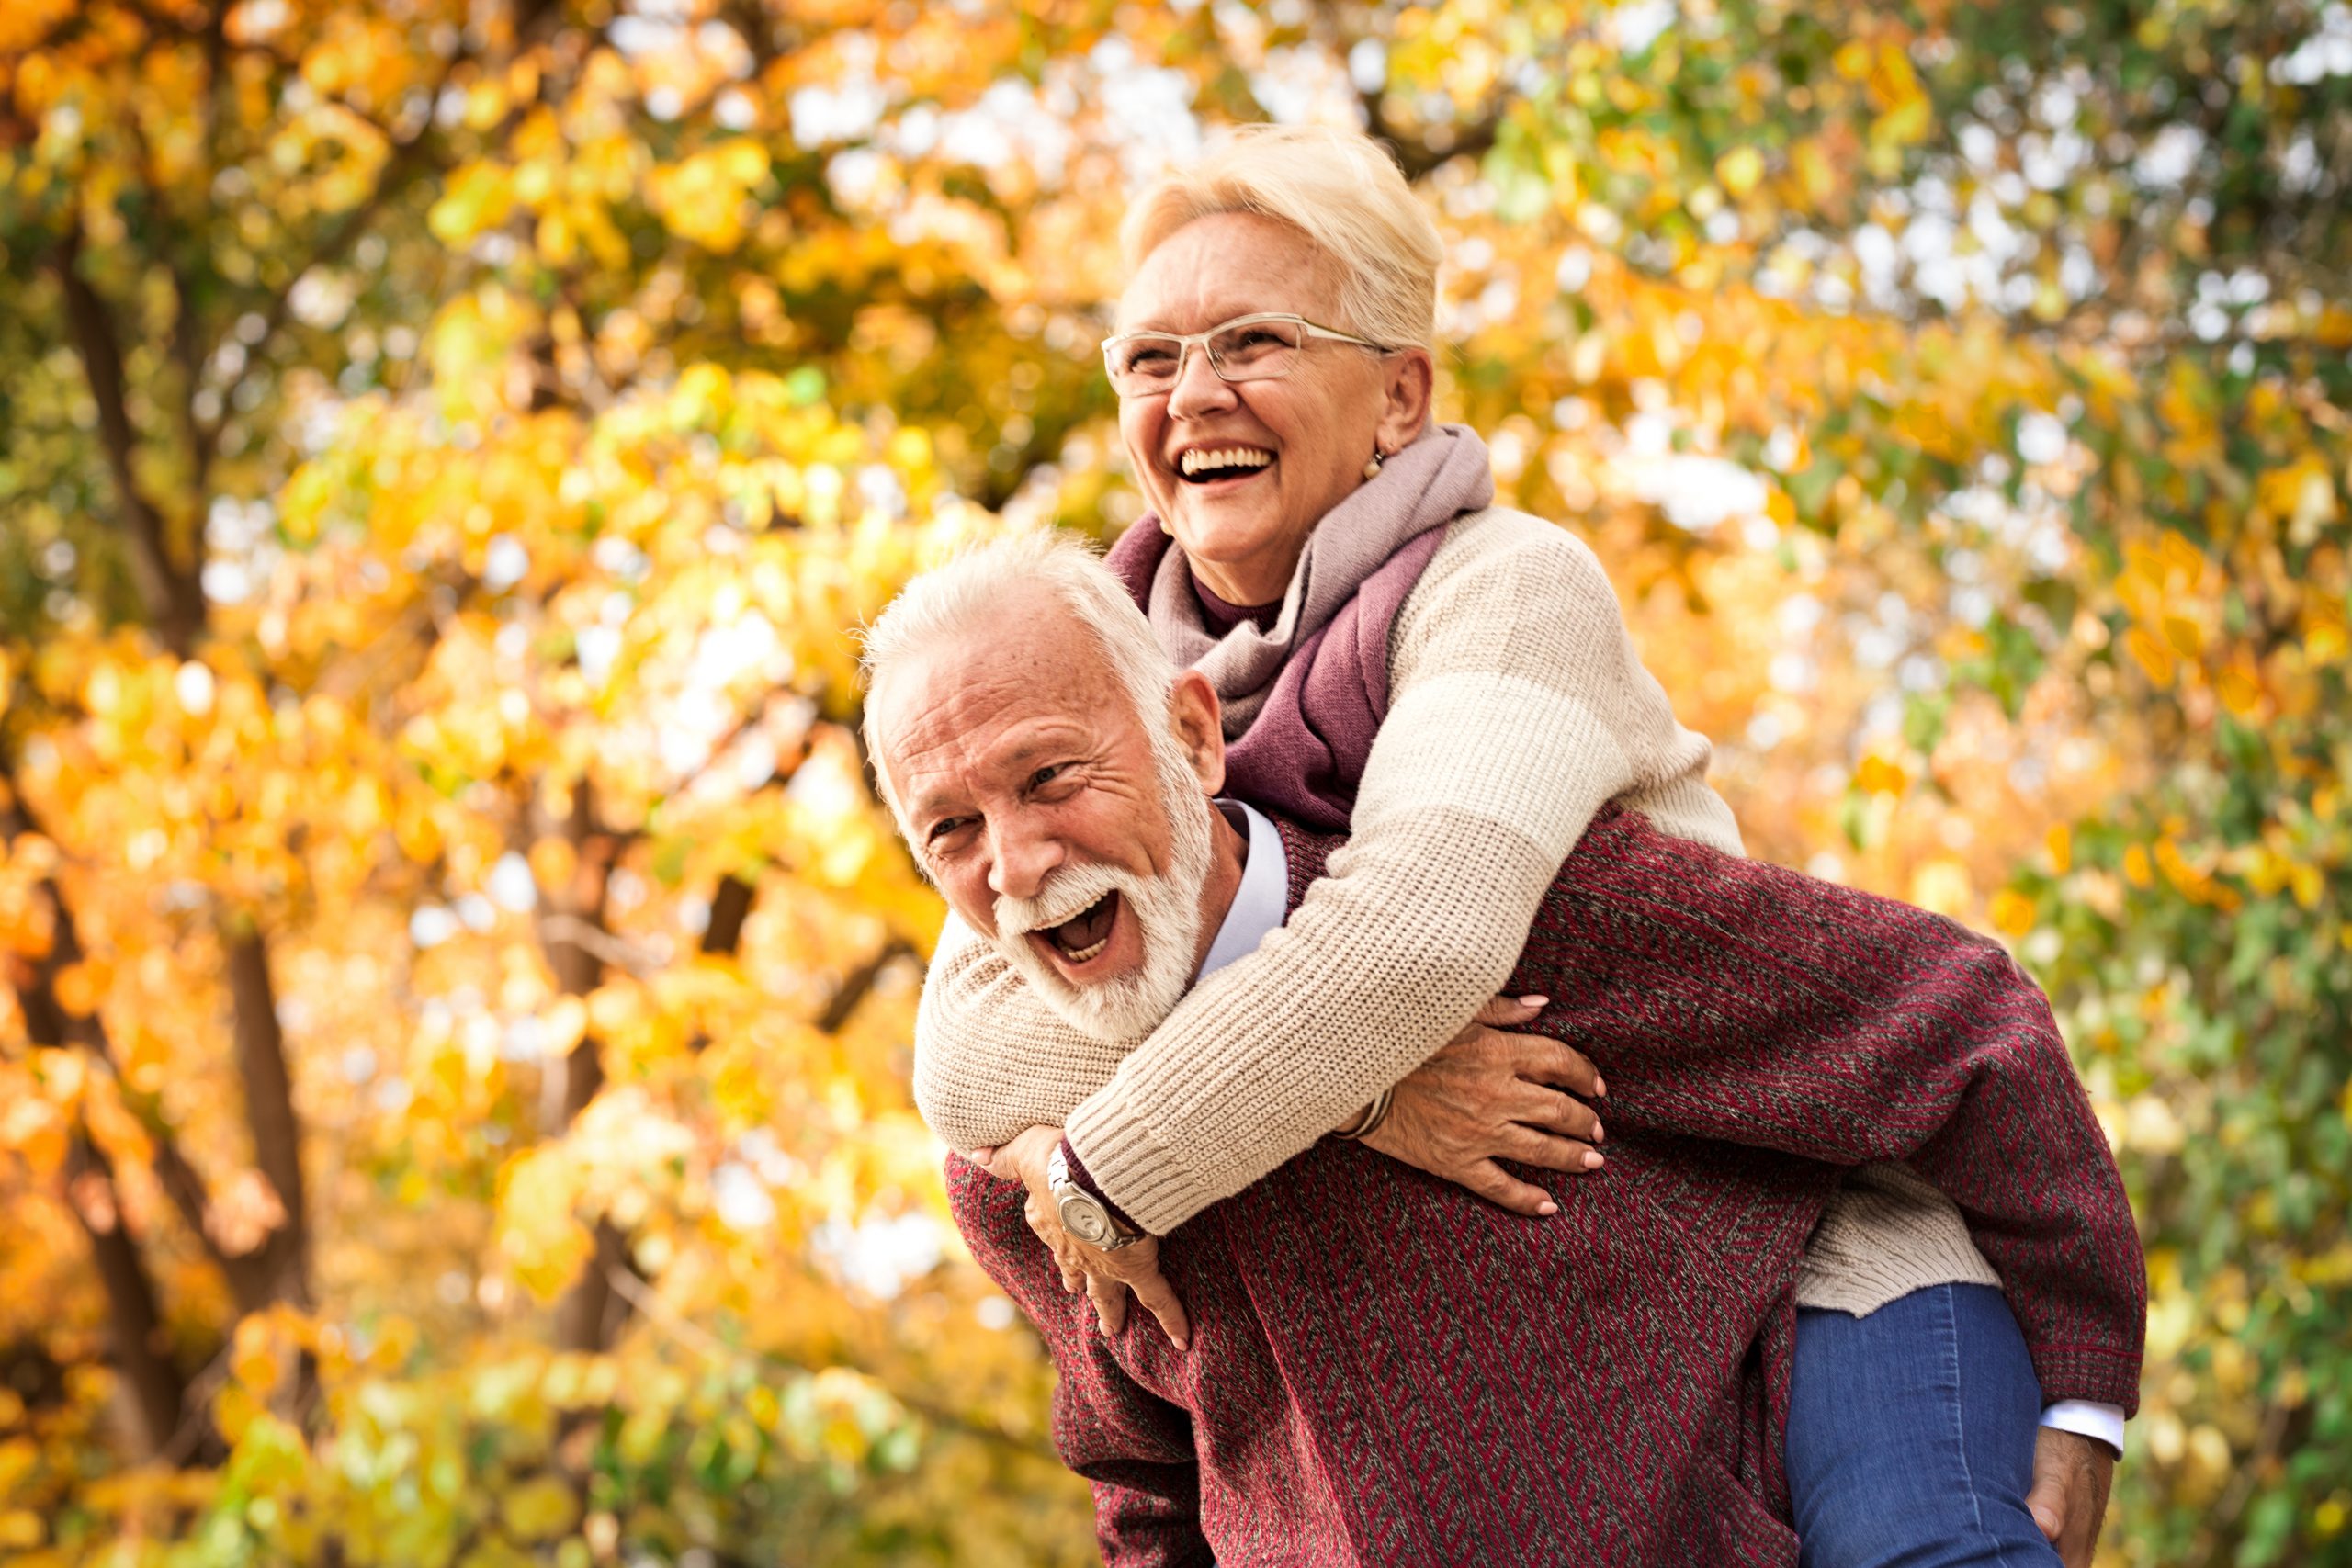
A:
(1885, 1234)
(1519, 706)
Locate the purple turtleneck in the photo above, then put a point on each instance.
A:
(1221, 617)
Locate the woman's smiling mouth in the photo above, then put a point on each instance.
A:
(1217, 465)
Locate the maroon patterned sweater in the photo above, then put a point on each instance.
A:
(1386, 1369)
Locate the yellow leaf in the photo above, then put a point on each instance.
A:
(1943, 885)
(478, 198)
(253, 1357)
(541, 1509)
(2151, 654)
(2060, 840)
(1879, 776)
(77, 987)
(1740, 169)
(566, 1021)
(2012, 913)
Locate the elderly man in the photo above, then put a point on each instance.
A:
(1380, 1367)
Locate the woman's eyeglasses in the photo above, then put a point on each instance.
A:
(1262, 347)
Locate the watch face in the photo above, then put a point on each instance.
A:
(1084, 1219)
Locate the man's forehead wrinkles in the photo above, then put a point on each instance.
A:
(955, 759)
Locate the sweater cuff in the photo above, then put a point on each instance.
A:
(1084, 1178)
(2096, 1373)
(1132, 1168)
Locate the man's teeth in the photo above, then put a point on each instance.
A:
(1201, 458)
(1084, 953)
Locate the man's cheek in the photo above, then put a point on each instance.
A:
(969, 896)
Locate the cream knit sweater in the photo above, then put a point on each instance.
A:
(1517, 707)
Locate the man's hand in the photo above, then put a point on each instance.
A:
(1106, 1277)
(1488, 1096)
(2071, 1475)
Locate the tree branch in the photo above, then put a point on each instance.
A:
(48, 1022)
(1418, 156)
(172, 593)
(858, 985)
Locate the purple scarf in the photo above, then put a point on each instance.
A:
(1304, 698)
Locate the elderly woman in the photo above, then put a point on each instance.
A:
(1273, 365)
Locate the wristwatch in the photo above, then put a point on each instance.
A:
(1083, 1214)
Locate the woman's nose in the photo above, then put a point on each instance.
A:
(1199, 388)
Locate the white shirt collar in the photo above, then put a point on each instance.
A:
(1261, 902)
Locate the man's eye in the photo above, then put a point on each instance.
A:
(1046, 774)
(946, 827)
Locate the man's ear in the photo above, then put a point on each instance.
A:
(1199, 723)
(1408, 387)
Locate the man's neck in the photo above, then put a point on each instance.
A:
(1228, 853)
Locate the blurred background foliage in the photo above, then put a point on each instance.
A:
(452, 1068)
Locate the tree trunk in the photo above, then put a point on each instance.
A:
(269, 1111)
(589, 1313)
(158, 1395)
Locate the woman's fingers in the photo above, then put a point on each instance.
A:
(1490, 1181)
(1510, 1012)
(1107, 1279)
(1110, 1299)
(1529, 1147)
(1548, 1061)
(1159, 1297)
(1553, 1112)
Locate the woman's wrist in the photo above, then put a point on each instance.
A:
(1369, 1120)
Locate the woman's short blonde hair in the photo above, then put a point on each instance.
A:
(1343, 191)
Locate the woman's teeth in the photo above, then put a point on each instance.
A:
(1213, 459)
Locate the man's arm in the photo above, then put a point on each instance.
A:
(1745, 1002)
(1136, 1448)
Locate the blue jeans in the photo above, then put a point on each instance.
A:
(1911, 1432)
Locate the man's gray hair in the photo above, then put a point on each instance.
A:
(973, 590)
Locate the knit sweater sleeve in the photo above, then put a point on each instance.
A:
(1136, 1448)
(1744, 1002)
(1517, 707)
(991, 1057)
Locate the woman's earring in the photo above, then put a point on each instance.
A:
(1372, 469)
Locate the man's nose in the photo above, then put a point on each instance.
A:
(1199, 390)
(1019, 860)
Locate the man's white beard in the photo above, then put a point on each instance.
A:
(1165, 910)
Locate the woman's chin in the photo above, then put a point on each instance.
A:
(1239, 539)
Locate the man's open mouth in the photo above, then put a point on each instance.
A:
(1081, 939)
(1207, 465)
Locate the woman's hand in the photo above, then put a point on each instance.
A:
(1490, 1094)
(1106, 1277)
